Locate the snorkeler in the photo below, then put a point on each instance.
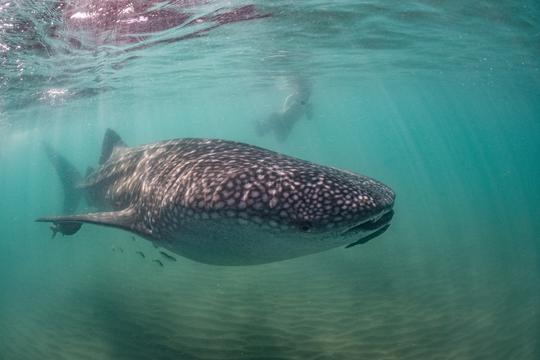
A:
(295, 106)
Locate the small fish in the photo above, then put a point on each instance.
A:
(117, 248)
(167, 256)
(158, 262)
(141, 253)
(133, 238)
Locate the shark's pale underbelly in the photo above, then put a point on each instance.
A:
(226, 242)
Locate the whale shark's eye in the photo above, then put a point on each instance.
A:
(305, 225)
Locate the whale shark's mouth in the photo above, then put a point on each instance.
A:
(374, 223)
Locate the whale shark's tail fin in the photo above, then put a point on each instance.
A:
(69, 176)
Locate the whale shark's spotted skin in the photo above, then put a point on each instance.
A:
(223, 202)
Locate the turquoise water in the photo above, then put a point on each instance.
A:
(439, 100)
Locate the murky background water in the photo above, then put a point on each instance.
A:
(440, 100)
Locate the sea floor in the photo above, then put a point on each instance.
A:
(378, 301)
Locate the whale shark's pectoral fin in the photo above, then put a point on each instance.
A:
(126, 219)
(369, 237)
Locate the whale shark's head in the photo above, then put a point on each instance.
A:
(333, 203)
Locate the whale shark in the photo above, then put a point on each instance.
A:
(222, 202)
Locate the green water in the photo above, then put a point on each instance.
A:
(440, 101)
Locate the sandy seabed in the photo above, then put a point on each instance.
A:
(99, 299)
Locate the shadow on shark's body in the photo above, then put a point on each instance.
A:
(222, 202)
(295, 106)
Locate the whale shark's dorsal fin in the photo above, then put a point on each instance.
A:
(112, 144)
(126, 219)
